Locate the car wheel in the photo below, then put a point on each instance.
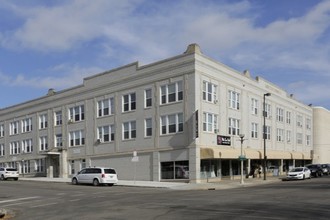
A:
(96, 182)
(74, 181)
(303, 176)
(110, 184)
(2, 177)
(15, 179)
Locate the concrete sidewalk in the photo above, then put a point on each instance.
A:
(223, 184)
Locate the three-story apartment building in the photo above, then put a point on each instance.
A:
(177, 119)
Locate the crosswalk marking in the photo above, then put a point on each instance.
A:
(19, 199)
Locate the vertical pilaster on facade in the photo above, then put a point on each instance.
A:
(64, 164)
(194, 165)
(156, 166)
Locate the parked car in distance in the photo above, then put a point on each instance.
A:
(325, 169)
(96, 176)
(298, 173)
(8, 173)
(316, 170)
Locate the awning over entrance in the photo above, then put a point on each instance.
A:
(228, 153)
(306, 156)
(272, 154)
(223, 153)
(297, 156)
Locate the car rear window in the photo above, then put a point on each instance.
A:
(109, 171)
(11, 169)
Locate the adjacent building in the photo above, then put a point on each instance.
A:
(181, 119)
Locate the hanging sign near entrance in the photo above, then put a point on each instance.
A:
(223, 140)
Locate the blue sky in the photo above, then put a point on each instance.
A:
(57, 43)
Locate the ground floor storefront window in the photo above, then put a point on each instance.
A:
(175, 170)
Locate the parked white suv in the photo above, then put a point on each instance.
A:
(96, 176)
(8, 173)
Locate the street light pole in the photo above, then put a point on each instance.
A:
(264, 133)
(242, 157)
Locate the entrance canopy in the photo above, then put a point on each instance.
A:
(227, 153)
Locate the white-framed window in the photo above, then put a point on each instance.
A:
(209, 92)
(280, 135)
(2, 130)
(26, 125)
(40, 165)
(129, 102)
(280, 114)
(14, 148)
(77, 138)
(288, 117)
(308, 124)
(299, 138)
(105, 107)
(268, 110)
(13, 127)
(233, 127)
(106, 133)
(77, 113)
(254, 130)
(129, 130)
(171, 124)
(58, 140)
(254, 106)
(233, 99)
(288, 136)
(148, 127)
(43, 143)
(299, 121)
(147, 98)
(171, 92)
(210, 122)
(2, 150)
(43, 121)
(267, 132)
(27, 146)
(58, 118)
(308, 140)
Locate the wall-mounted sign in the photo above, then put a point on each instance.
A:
(223, 140)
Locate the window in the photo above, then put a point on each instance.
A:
(40, 165)
(254, 130)
(267, 132)
(299, 138)
(43, 143)
(288, 136)
(2, 130)
(129, 102)
(58, 118)
(172, 123)
(175, 170)
(27, 146)
(105, 107)
(106, 133)
(14, 148)
(308, 124)
(77, 113)
(254, 106)
(299, 121)
(58, 140)
(233, 126)
(77, 138)
(288, 117)
(129, 130)
(171, 93)
(147, 98)
(210, 122)
(2, 150)
(308, 140)
(43, 121)
(233, 100)
(148, 127)
(26, 125)
(279, 114)
(268, 110)
(209, 92)
(13, 128)
(280, 135)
